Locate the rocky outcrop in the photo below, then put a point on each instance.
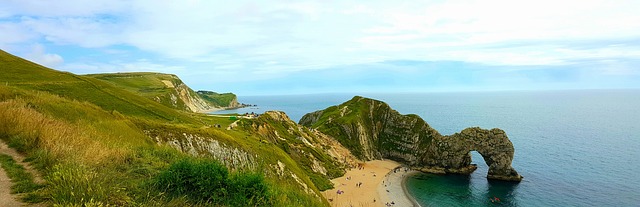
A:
(197, 145)
(191, 100)
(320, 156)
(319, 151)
(451, 153)
(372, 130)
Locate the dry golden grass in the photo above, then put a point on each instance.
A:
(64, 141)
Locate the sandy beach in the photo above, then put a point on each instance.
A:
(371, 190)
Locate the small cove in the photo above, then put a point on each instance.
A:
(574, 148)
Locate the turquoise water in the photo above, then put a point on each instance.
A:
(574, 148)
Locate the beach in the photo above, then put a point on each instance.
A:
(363, 186)
(392, 190)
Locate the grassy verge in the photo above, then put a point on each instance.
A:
(22, 180)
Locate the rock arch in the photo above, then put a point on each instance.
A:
(371, 129)
(452, 154)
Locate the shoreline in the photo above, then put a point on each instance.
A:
(208, 111)
(404, 187)
(366, 186)
(394, 190)
(214, 109)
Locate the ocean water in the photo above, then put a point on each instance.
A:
(574, 148)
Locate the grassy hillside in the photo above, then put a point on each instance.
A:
(167, 89)
(23, 74)
(98, 144)
(308, 149)
(373, 130)
(220, 99)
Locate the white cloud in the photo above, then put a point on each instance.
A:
(82, 31)
(13, 33)
(244, 35)
(38, 55)
(64, 8)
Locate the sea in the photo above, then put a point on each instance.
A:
(574, 147)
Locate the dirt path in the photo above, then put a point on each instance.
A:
(6, 198)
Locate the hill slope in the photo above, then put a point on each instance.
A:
(168, 90)
(372, 130)
(20, 73)
(80, 131)
(225, 100)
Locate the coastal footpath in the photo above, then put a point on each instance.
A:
(371, 130)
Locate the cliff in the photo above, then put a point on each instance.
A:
(223, 100)
(168, 90)
(372, 130)
(320, 156)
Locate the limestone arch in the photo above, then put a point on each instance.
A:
(452, 154)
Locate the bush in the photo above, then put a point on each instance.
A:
(201, 181)
(320, 181)
(248, 190)
(208, 182)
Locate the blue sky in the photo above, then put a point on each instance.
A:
(297, 47)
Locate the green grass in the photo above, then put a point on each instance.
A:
(77, 184)
(90, 141)
(23, 74)
(299, 151)
(356, 109)
(207, 181)
(22, 180)
(108, 159)
(147, 84)
(218, 99)
(162, 88)
(158, 87)
(343, 123)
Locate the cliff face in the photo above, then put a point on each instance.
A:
(372, 130)
(190, 100)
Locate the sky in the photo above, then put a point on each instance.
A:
(301, 47)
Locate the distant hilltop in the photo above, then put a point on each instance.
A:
(370, 129)
(225, 100)
(169, 90)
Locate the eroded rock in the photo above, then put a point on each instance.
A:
(372, 130)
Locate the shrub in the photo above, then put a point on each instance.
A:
(205, 181)
(249, 189)
(320, 181)
(200, 180)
